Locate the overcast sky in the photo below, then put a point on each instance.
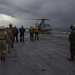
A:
(60, 12)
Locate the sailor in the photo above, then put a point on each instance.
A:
(31, 31)
(15, 34)
(36, 31)
(72, 42)
(22, 31)
(3, 42)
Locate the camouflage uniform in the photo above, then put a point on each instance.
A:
(10, 36)
(3, 43)
(12, 30)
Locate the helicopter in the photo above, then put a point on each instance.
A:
(43, 27)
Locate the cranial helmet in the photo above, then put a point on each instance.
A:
(2, 27)
(73, 25)
(10, 25)
(31, 26)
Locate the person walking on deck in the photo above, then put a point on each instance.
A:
(22, 31)
(36, 31)
(31, 31)
(72, 42)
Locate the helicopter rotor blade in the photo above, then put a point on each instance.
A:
(42, 19)
(33, 19)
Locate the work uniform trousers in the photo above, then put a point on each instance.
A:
(36, 36)
(16, 38)
(2, 48)
(22, 38)
(31, 36)
(72, 49)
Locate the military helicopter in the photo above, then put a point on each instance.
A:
(43, 27)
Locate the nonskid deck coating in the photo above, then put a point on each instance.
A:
(48, 56)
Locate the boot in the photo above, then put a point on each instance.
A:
(4, 58)
(71, 59)
(1, 58)
(8, 51)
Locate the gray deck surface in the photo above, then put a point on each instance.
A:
(48, 56)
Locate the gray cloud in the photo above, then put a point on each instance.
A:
(61, 12)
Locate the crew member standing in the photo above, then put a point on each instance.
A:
(72, 42)
(22, 31)
(36, 31)
(3, 42)
(15, 34)
(31, 31)
(12, 30)
(10, 36)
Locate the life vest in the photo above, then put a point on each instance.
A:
(36, 30)
(31, 30)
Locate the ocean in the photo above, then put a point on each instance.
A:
(61, 29)
(56, 29)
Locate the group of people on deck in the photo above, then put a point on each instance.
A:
(6, 40)
(22, 30)
(16, 31)
(33, 31)
(9, 35)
